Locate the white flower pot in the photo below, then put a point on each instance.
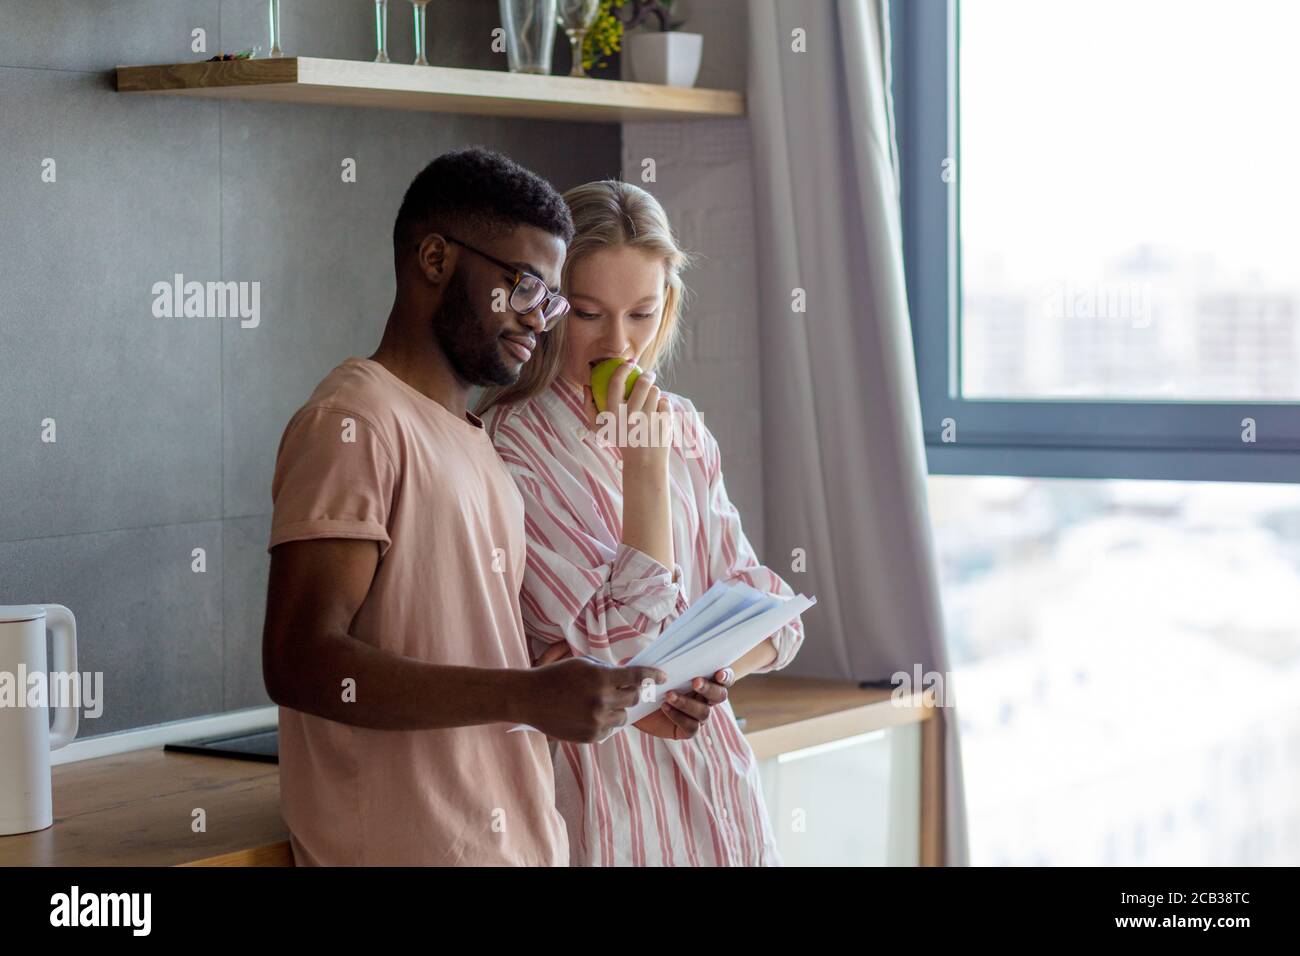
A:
(668, 58)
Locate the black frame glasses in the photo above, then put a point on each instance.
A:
(553, 305)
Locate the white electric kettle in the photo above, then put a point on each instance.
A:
(26, 737)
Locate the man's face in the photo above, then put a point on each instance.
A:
(487, 342)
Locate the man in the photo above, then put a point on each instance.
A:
(394, 642)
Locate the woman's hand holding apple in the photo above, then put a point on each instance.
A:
(644, 446)
(646, 442)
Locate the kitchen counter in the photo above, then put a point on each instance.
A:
(139, 808)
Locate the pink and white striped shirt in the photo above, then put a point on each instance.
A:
(635, 799)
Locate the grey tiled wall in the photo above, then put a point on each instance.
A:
(705, 181)
(167, 428)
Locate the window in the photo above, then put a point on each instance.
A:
(1126, 659)
(1102, 235)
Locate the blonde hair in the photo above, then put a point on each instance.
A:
(607, 214)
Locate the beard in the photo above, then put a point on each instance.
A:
(471, 345)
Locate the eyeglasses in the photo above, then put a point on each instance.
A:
(529, 291)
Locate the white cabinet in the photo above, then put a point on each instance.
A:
(849, 802)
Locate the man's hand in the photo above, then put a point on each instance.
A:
(582, 700)
(681, 716)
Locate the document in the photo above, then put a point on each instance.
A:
(728, 621)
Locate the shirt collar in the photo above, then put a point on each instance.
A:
(569, 395)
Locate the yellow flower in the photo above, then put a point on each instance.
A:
(604, 37)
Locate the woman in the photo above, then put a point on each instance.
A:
(621, 539)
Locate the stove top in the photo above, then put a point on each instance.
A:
(263, 745)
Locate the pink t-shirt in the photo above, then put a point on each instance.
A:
(368, 456)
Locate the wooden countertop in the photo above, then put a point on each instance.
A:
(138, 808)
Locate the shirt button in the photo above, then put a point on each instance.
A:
(619, 464)
(579, 432)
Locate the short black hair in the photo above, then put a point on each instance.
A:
(477, 191)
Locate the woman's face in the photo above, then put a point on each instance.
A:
(617, 296)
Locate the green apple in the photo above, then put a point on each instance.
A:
(602, 373)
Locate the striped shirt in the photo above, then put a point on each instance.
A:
(636, 799)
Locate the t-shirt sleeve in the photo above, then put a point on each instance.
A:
(334, 478)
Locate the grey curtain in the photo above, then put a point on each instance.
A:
(844, 460)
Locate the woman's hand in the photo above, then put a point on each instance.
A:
(647, 403)
(647, 488)
(556, 652)
(682, 715)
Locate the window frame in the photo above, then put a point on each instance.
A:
(1189, 440)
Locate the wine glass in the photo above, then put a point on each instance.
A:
(576, 18)
(381, 31)
(421, 34)
(273, 12)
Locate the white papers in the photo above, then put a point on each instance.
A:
(727, 621)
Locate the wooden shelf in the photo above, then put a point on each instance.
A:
(437, 89)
